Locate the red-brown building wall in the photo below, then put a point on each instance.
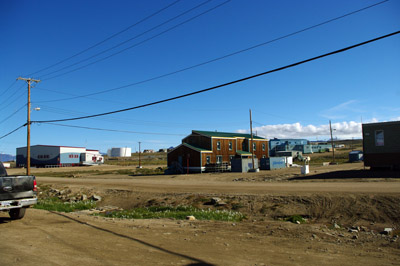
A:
(182, 154)
(198, 141)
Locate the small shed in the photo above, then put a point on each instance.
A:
(272, 163)
(355, 156)
(243, 165)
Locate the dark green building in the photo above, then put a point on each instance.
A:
(381, 144)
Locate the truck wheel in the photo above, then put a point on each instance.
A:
(16, 214)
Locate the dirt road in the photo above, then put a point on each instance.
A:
(180, 185)
(46, 238)
(367, 205)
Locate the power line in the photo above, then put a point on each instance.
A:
(76, 96)
(9, 87)
(139, 43)
(124, 121)
(18, 96)
(222, 57)
(2, 121)
(126, 41)
(115, 130)
(228, 83)
(11, 95)
(13, 131)
(106, 39)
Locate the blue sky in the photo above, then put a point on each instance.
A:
(362, 84)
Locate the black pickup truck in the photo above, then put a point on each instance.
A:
(17, 193)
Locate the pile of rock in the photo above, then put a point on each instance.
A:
(67, 195)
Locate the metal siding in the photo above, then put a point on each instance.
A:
(41, 155)
(355, 156)
(391, 132)
(71, 155)
(243, 165)
(387, 155)
(273, 163)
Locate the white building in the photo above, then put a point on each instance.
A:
(47, 155)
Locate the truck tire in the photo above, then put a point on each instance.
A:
(16, 214)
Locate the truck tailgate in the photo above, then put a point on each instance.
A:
(16, 187)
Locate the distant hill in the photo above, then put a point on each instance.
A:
(6, 157)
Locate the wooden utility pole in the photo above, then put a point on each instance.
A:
(140, 166)
(28, 125)
(333, 148)
(251, 145)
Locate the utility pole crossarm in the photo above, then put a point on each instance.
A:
(29, 79)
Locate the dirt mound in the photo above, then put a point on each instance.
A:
(341, 209)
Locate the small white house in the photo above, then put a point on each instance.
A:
(91, 157)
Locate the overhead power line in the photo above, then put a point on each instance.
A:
(115, 130)
(218, 58)
(9, 87)
(126, 41)
(11, 96)
(15, 96)
(139, 43)
(15, 130)
(107, 39)
(19, 109)
(228, 83)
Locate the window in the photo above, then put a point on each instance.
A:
(208, 159)
(230, 145)
(218, 145)
(254, 146)
(379, 138)
(263, 146)
(219, 159)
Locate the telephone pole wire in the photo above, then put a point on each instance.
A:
(28, 123)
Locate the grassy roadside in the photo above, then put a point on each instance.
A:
(155, 212)
(55, 204)
(178, 213)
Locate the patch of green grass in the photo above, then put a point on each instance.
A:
(157, 158)
(55, 204)
(178, 213)
(295, 219)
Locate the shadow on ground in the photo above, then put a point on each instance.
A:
(137, 240)
(351, 174)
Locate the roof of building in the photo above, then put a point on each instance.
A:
(243, 152)
(194, 147)
(226, 134)
(276, 139)
(55, 146)
(381, 124)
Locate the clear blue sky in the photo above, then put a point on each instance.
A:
(363, 83)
